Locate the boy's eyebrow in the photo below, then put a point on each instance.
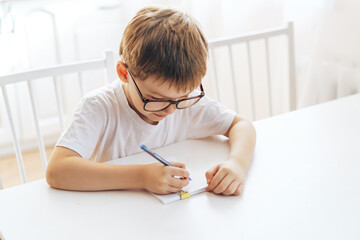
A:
(158, 94)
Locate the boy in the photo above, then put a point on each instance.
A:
(163, 60)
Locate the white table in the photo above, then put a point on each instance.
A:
(304, 183)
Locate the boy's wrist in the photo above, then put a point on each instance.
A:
(242, 164)
(129, 176)
(142, 176)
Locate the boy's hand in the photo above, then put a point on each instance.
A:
(161, 179)
(226, 178)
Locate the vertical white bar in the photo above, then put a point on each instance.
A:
(109, 65)
(292, 78)
(15, 139)
(77, 57)
(59, 103)
(57, 79)
(81, 83)
(215, 82)
(251, 81)
(37, 126)
(233, 79)
(56, 36)
(17, 110)
(268, 75)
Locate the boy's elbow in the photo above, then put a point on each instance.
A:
(52, 176)
(59, 166)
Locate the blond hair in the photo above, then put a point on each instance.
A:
(167, 44)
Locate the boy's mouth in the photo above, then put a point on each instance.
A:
(159, 116)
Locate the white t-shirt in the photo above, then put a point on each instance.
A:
(105, 127)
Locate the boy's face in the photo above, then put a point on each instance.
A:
(152, 89)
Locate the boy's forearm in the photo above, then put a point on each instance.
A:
(242, 138)
(76, 173)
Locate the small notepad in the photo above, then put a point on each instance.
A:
(196, 186)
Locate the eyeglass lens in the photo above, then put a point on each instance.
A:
(158, 106)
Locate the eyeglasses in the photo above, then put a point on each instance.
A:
(157, 105)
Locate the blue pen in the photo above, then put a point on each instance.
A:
(157, 157)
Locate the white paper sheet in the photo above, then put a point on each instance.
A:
(196, 185)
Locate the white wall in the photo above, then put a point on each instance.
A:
(326, 39)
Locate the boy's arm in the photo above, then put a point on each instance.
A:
(68, 170)
(228, 178)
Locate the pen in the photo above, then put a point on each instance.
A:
(157, 157)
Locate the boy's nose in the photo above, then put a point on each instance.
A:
(170, 109)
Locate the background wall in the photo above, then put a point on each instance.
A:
(42, 33)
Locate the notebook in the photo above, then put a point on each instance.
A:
(196, 186)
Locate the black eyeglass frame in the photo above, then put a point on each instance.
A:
(171, 102)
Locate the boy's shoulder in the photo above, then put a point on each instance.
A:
(104, 98)
(106, 91)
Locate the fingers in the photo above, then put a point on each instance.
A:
(214, 182)
(167, 190)
(229, 186)
(224, 185)
(172, 189)
(175, 184)
(239, 190)
(169, 185)
(162, 179)
(178, 177)
(176, 171)
(225, 179)
(233, 189)
(178, 164)
(211, 173)
(178, 183)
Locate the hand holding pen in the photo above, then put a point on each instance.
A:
(157, 157)
(161, 180)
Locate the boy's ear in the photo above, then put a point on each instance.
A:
(122, 71)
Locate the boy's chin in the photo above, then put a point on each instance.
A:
(153, 118)
(156, 117)
(159, 116)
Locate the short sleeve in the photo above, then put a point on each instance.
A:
(209, 117)
(86, 128)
